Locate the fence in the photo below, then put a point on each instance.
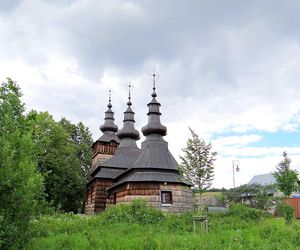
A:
(295, 203)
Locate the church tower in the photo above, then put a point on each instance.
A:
(104, 172)
(104, 148)
(154, 175)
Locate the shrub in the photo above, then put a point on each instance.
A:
(243, 212)
(285, 211)
(135, 212)
(175, 222)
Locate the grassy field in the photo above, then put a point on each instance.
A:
(138, 227)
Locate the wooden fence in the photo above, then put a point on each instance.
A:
(295, 203)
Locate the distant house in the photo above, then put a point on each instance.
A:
(263, 179)
(208, 199)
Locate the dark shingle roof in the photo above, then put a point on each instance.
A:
(155, 163)
(108, 136)
(124, 155)
(155, 154)
(127, 151)
(109, 119)
(108, 172)
(151, 176)
(128, 130)
(108, 128)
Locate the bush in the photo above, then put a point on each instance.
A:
(135, 212)
(285, 211)
(243, 212)
(21, 186)
(176, 223)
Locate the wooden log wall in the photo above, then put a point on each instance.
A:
(97, 196)
(103, 151)
(182, 196)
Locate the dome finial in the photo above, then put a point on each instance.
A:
(109, 118)
(154, 76)
(109, 99)
(129, 95)
(154, 126)
(128, 131)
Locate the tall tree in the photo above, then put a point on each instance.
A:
(58, 162)
(82, 139)
(21, 186)
(286, 178)
(197, 164)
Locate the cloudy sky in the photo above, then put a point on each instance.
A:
(230, 70)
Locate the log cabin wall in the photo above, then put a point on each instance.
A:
(97, 196)
(103, 151)
(89, 204)
(181, 195)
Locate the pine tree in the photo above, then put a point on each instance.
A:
(197, 164)
(286, 178)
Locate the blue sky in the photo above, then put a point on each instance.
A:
(228, 69)
(268, 139)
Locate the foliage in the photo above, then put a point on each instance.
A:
(248, 214)
(135, 212)
(197, 162)
(286, 211)
(58, 161)
(255, 195)
(286, 178)
(226, 231)
(82, 138)
(21, 186)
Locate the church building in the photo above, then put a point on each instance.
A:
(121, 172)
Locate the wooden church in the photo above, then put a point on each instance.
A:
(121, 172)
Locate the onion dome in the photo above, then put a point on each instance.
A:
(109, 124)
(128, 130)
(154, 125)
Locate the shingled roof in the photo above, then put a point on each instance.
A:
(109, 128)
(127, 151)
(155, 163)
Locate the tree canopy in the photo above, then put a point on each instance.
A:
(286, 178)
(21, 185)
(63, 153)
(197, 164)
(43, 163)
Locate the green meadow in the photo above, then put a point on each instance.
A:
(136, 226)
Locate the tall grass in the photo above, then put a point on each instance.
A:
(138, 227)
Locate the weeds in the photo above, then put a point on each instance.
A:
(137, 226)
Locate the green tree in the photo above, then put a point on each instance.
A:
(58, 161)
(197, 164)
(286, 178)
(21, 186)
(82, 139)
(254, 195)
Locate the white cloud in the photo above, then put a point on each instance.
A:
(236, 140)
(223, 67)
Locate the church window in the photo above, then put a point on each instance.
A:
(166, 197)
